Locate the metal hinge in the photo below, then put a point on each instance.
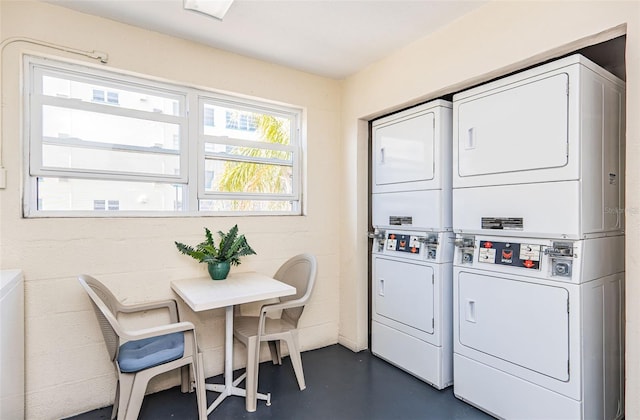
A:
(568, 305)
(568, 367)
(433, 281)
(433, 323)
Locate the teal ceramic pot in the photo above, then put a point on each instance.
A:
(219, 270)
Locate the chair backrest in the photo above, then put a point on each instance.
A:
(300, 272)
(106, 307)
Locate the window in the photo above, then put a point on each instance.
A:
(112, 97)
(106, 205)
(99, 96)
(250, 164)
(113, 205)
(238, 120)
(99, 205)
(209, 116)
(94, 134)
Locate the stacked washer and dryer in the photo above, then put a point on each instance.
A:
(413, 242)
(527, 180)
(538, 270)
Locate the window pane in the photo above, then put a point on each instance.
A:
(60, 194)
(209, 116)
(252, 152)
(98, 95)
(85, 158)
(113, 98)
(97, 204)
(245, 125)
(247, 177)
(246, 205)
(104, 128)
(123, 97)
(238, 120)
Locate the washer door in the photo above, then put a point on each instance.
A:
(403, 292)
(523, 323)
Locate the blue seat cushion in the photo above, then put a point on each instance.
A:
(142, 354)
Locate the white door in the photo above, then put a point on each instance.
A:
(403, 292)
(523, 323)
(403, 152)
(510, 129)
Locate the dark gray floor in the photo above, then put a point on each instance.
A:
(341, 384)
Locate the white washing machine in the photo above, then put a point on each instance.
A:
(411, 303)
(541, 153)
(412, 243)
(411, 168)
(538, 331)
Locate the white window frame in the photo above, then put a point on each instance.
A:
(294, 148)
(192, 149)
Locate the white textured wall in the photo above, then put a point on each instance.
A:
(495, 39)
(67, 369)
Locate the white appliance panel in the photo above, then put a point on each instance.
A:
(519, 129)
(562, 172)
(404, 150)
(423, 209)
(427, 355)
(550, 210)
(603, 337)
(508, 397)
(502, 318)
(588, 259)
(411, 150)
(11, 344)
(430, 363)
(404, 292)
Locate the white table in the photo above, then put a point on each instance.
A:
(202, 294)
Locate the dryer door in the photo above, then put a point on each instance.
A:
(403, 153)
(403, 292)
(523, 323)
(513, 129)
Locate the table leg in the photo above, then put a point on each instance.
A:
(229, 387)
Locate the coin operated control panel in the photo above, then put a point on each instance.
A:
(522, 255)
(561, 255)
(554, 260)
(425, 246)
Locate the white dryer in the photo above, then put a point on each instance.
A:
(411, 303)
(540, 153)
(411, 168)
(413, 245)
(538, 330)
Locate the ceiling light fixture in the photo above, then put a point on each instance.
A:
(215, 8)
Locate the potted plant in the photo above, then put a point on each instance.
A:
(219, 259)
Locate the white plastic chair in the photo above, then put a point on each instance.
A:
(142, 354)
(300, 272)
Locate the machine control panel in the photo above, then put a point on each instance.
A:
(403, 243)
(510, 253)
(426, 246)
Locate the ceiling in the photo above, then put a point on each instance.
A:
(331, 38)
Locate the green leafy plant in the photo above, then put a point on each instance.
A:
(231, 247)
